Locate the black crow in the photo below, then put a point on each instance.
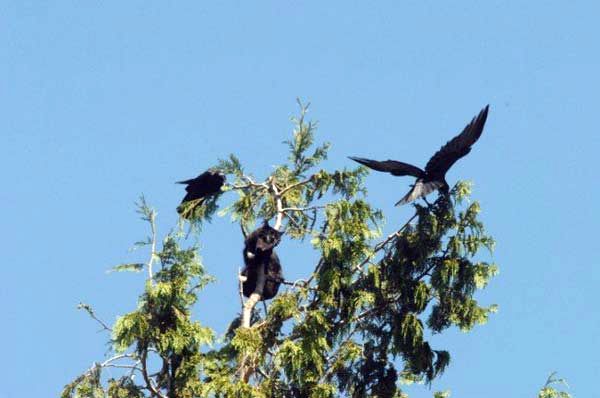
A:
(198, 189)
(434, 175)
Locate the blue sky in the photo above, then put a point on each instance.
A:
(104, 100)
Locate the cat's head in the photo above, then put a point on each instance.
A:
(268, 237)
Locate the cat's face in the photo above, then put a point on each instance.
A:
(268, 238)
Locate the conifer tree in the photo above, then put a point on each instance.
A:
(355, 326)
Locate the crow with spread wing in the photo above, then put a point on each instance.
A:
(434, 175)
(198, 189)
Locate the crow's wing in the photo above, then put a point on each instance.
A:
(188, 182)
(457, 147)
(391, 166)
(418, 190)
(193, 183)
(205, 184)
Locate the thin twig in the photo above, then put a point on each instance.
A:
(130, 376)
(133, 367)
(300, 228)
(107, 364)
(250, 184)
(116, 358)
(262, 373)
(92, 314)
(294, 284)
(317, 268)
(290, 187)
(302, 209)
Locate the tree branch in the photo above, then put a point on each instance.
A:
(116, 358)
(147, 379)
(255, 297)
(279, 203)
(261, 277)
(296, 185)
(132, 367)
(300, 228)
(383, 243)
(331, 360)
(92, 314)
(250, 184)
(241, 280)
(302, 209)
(152, 220)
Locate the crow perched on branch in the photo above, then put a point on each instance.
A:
(198, 189)
(434, 175)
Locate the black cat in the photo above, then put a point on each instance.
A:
(258, 251)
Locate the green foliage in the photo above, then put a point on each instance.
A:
(85, 386)
(198, 210)
(552, 388)
(302, 141)
(133, 267)
(356, 326)
(124, 388)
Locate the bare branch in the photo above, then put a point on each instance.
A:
(290, 187)
(254, 297)
(241, 279)
(300, 228)
(153, 244)
(108, 364)
(301, 209)
(262, 373)
(116, 358)
(149, 383)
(317, 268)
(279, 204)
(132, 367)
(92, 314)
(250, 184)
